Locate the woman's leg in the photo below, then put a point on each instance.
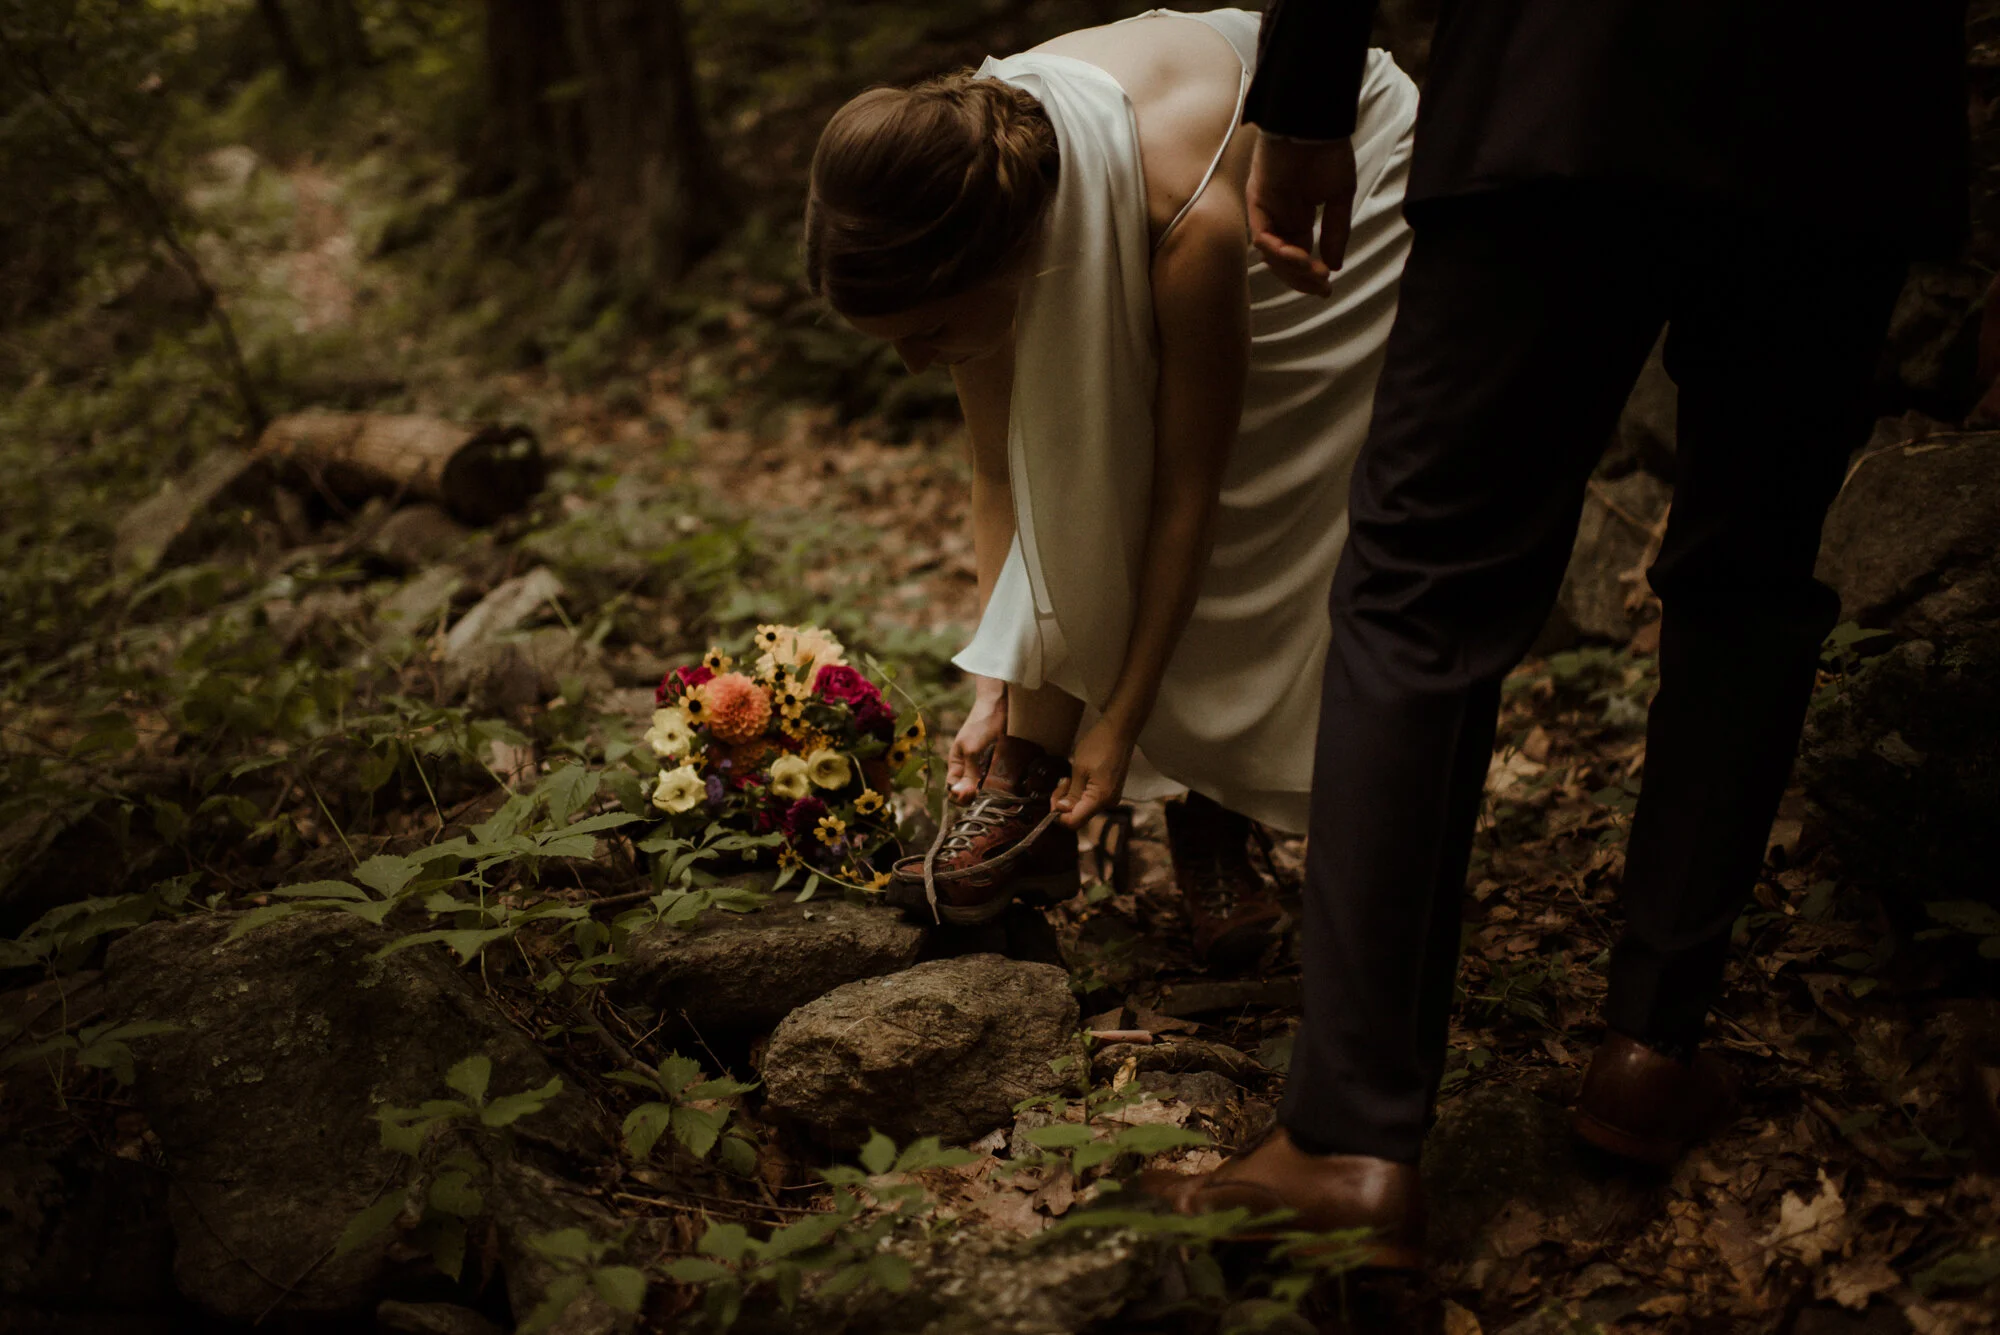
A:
(1047, 716)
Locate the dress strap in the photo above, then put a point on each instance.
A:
(1235, 118)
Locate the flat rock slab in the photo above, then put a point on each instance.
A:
(264, 1099)
(976, 1281)
(944, 1049)
(1504, 1173)
(744, 972)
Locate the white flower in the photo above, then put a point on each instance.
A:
(670, 735)
(679, 790)
(789, 778)
(829, 769)
(806, 649)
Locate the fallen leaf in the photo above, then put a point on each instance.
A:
(1808, 1230)
(1013, 1211)
(1747, 1259)
(992, 1142)
(1458, 1321)
(1508, 769)
(1517, 1230)
(1057, 1195)
(1855, 1282)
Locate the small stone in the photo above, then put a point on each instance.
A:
(944, 1049)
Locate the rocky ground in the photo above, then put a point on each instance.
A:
(602, 1093)
(161, 1180)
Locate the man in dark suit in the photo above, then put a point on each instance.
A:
(1754, 175)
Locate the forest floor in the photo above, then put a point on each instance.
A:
(1839, 1199)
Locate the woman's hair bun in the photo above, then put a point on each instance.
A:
(920, 193)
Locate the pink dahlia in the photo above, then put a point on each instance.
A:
(680, 681)
(738, 708)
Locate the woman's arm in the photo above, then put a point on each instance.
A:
(1201, 314)
(985, 386)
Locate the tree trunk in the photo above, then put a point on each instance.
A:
(532, 141)
(598, 97)
(298, 74)
(650, 200)
(346, 44)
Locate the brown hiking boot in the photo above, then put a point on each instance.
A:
(1004, 845)
(1235, 915)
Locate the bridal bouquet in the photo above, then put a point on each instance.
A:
(797, 746)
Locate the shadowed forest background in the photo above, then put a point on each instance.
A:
(391, 391)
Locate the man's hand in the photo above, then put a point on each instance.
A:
(1291, 180)
(973, 747)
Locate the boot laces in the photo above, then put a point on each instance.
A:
(988, 810)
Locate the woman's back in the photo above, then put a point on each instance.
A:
(1184, 80)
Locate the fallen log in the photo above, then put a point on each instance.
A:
(479, 474)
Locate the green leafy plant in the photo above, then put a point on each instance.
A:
(686, 1109)
(580, 1262)
(1965, 917)
(439, 1181)
(846, 1243)
(1968, 1269)
(101, 1047)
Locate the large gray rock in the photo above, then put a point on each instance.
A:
(264, 1099)
(945, 1049)
(1913, 542)
(1930, 354)
(1646, 436)
(1904, 755)
(1504, 1153)
(1613, 541)
(744, 972)
(1904, 751)
(977, 1281)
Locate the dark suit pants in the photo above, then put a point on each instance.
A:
(1525, 316)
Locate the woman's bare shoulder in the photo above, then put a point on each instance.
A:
(1182, 78)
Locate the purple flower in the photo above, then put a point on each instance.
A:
(715, 790)
(802, 822)
(872, 716)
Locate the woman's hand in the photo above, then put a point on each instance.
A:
(1096, 773)
(973, 747)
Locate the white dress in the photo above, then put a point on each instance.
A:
(1238, 706)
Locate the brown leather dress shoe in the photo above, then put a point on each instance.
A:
(1325, 1192)
(1005, 845)
(1641, 1104)
(1234, 914)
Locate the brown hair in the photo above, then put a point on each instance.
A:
(918, 194)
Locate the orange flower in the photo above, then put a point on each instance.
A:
(738, 709)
